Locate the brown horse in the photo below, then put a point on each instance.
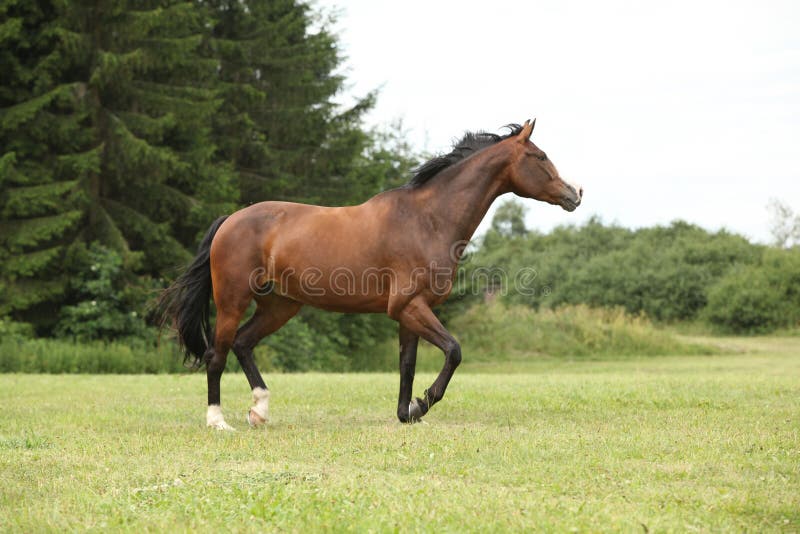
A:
(397, 253)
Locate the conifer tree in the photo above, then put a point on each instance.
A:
(105, 128)
(127, 127)
(45, 153)
(280, 124)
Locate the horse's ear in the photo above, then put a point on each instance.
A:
(527, 130)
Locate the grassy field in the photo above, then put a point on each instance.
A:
(692, 443)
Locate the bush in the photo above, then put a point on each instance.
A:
(487, 333)
(497, 332)
(758, 298)
(107, 303)
(60, 356)
(316, 340)
(664, 271)
(15, 330)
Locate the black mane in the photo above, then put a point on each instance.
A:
(469, 144)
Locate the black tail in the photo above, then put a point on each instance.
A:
(186, 303)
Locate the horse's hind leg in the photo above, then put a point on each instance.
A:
(229, 313)
(272, 312)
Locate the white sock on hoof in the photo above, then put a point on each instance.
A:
(215, 419)
(260, 404)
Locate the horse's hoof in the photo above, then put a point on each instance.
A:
(253, 419)
(214, 418)
(415, 410)
(221, 425)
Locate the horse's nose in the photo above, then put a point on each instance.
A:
(577, 189)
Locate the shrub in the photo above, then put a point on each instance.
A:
(15, 330)
(61, 356)
(663, 271)
(758, 298)
(497, 332)
(107, 306)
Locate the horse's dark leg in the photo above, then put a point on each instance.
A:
(273, 312)
(408, 362)
(228, 317)
(418, 318)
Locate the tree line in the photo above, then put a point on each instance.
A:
(675, 273)
(127, 127)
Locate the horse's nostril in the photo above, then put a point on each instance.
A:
(580, 192)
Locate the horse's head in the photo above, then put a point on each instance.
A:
(533, 175)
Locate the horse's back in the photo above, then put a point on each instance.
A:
(295, 244)
(301, 234)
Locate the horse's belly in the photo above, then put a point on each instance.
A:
(341, 289)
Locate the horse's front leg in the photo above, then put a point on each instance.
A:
(419, 319)
(408, 363)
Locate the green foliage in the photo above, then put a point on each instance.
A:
(134, 124)
(758, 298)
(12, 330)
(104, 114)
(19, 355)
(126, 127)
(508, 221)
(106, 307)
(292, 348)
(496, 332)
(40, 127)
(279, 125)
(663, 272)
(322, 341)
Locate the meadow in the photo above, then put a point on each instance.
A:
(673, 443)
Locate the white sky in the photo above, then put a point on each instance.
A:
(661, 110)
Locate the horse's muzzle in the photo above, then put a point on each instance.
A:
(572, 197)
(569, 204)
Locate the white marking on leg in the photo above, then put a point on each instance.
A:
(215, 419)
(260, 407)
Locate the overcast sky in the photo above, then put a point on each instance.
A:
(661, 110)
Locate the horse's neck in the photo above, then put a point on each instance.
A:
(459, 202)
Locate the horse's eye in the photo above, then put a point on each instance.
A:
(542, 157)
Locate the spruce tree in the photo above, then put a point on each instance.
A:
(280, 124)
(45, 154)
(127, 127)
(105, 124)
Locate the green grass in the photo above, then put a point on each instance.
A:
(691, 443)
